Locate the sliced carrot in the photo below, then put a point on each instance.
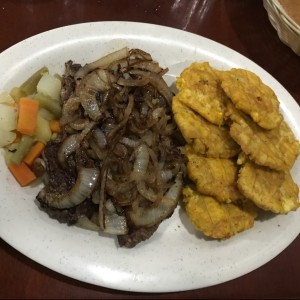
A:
(28, 111)
(34, 153)
(55, 126)
(22, 173)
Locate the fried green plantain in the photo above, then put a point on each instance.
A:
(214, 176)
(250, 95)
(268, 189)
(208, 139)
(199, 89)
(215, 219)
(276, 148)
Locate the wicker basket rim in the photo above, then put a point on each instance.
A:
(280, 9)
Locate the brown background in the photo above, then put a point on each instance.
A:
(242, 25)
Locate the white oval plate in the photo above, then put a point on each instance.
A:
(175, 258)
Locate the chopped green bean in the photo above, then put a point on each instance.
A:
(22, 149)
(51, 105)
(17, 93)
(29, 86)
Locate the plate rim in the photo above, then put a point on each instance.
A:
(271, 80)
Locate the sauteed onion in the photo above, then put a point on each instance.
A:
(116, 119)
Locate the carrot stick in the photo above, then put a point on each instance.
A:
(55, 126)
(28, 111)
(22, 173)
(34, 153)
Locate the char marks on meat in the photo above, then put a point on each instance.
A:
(69, 82)
(71, 215)
(136, 236)
(58, 179)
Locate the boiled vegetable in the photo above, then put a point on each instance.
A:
(28, 111)
(25, 115)
(46, 114)
(8, 117)
(50, 86)
(22, 173)
(29, 86)
(6, 98)
(43, 132)
(23, 147)
(6, 137)
(34, 153)
(16, 93)
(51, 105)
(54, 126)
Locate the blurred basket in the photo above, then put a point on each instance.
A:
(288, 30)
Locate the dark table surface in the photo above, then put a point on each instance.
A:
(242, 25)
